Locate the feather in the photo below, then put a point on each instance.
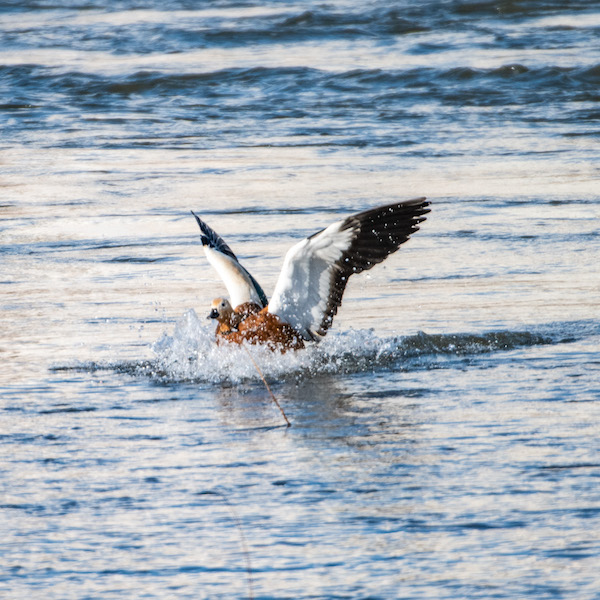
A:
(242, 287)
(315, 272)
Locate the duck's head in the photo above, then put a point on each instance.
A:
(221, 310)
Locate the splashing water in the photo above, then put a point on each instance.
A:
(191, 354)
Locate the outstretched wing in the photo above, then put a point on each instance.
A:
(316, 270)
(242, 287)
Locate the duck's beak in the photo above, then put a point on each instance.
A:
(213, 314)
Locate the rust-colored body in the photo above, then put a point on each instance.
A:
(249, 323)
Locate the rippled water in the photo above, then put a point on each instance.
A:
(444, 439)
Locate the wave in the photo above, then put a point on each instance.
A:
(295, 106)
(190, 353)
(181, 29)
(286, 84)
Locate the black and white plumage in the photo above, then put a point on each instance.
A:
(242, 287)
(315, 271)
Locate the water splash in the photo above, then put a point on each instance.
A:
(191, 354)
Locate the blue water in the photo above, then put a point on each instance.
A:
(444, 440)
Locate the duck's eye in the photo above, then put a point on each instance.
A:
(222, 304)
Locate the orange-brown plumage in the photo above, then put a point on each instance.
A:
(249, 323)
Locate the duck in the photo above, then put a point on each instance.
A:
(311, 284)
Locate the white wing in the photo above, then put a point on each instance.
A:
(236, 279)
(242, 287)
(315, 271)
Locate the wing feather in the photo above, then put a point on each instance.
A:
(315, 272)
(242, 287)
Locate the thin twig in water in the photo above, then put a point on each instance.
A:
(288, 424)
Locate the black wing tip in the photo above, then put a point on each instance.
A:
(415, 203)
(211, 238)
(419, 205)
(205, 235)
(410, 211)
(415, 208)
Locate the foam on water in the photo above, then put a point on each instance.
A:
(191, 354)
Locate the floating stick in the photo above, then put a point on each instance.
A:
(288, 424)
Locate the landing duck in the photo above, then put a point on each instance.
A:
(312, 281)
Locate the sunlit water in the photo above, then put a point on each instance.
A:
(444, 439)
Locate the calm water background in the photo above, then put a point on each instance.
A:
(445, 438)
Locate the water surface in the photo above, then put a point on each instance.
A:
(445, 433)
